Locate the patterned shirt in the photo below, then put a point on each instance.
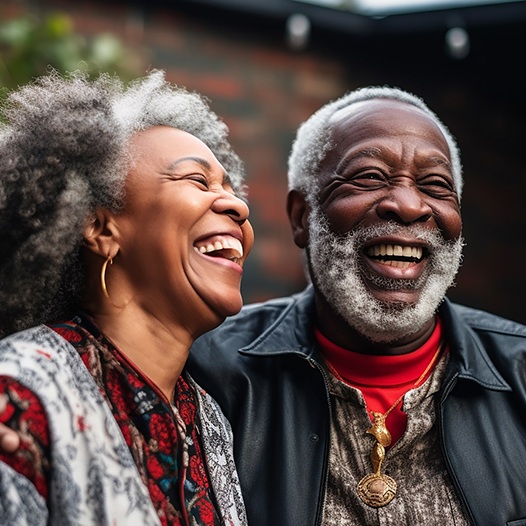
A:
(424, 496)
(146, 421)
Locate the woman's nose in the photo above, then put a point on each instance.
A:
(233, 206)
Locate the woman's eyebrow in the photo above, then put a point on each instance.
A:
(199, 160)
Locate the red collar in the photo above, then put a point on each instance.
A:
(361, 369)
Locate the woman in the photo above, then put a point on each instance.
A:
(124, 233)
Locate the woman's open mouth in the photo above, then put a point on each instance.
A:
(221, 246)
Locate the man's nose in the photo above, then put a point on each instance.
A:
(404, 204)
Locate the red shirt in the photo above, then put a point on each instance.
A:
(382, 379)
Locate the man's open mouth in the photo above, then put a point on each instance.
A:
(400, 256)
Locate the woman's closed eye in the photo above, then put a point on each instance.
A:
(198, 178)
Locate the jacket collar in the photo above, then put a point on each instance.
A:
(469, 358)
(292, 332)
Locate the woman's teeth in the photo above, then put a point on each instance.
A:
(230, 247)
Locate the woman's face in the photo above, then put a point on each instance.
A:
(183, 234)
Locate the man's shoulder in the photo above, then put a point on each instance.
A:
(487, 343)
(484, 321)
(257, 319)
(271, 307)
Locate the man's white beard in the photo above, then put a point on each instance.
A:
(337, 268)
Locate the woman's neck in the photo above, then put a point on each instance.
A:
(158, 349)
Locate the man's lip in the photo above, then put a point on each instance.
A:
(411, 271)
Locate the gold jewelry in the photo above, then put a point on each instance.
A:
(378, 489)
(103, 277)
(103, 281)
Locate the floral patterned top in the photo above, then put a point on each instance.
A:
(146, 421)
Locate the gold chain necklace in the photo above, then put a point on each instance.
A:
(378, 489)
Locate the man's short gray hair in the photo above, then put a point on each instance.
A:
(313, 138)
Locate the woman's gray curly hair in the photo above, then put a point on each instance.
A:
(313, 138)
(63, 151)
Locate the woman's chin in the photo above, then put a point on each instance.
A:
(233, 307)
(225, 306)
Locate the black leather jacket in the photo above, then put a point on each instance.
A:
(263, 368)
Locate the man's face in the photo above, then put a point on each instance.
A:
(384, 234)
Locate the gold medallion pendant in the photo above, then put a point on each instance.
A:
(377, 489)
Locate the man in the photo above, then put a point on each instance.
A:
(369, 398)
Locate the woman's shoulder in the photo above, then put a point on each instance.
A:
(40, 339)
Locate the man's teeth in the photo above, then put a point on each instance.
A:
(395, 250)
(231, 244)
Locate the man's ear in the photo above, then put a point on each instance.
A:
(298, 211)
(99, 234)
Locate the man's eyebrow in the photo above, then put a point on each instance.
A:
(199, 160)
(439, 161)
(364, 152)
(374, 152)
(368, 152)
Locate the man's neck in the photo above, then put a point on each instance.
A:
(341, 333)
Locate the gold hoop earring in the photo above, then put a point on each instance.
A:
(103, 277)
(103, 281)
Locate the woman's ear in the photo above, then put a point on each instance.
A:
(99, 234)
(298, 211)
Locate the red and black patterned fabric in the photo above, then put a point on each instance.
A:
(144, 417)
(21, 410)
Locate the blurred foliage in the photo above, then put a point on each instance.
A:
(30, 44)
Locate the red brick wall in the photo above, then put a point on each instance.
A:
(263, 90)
